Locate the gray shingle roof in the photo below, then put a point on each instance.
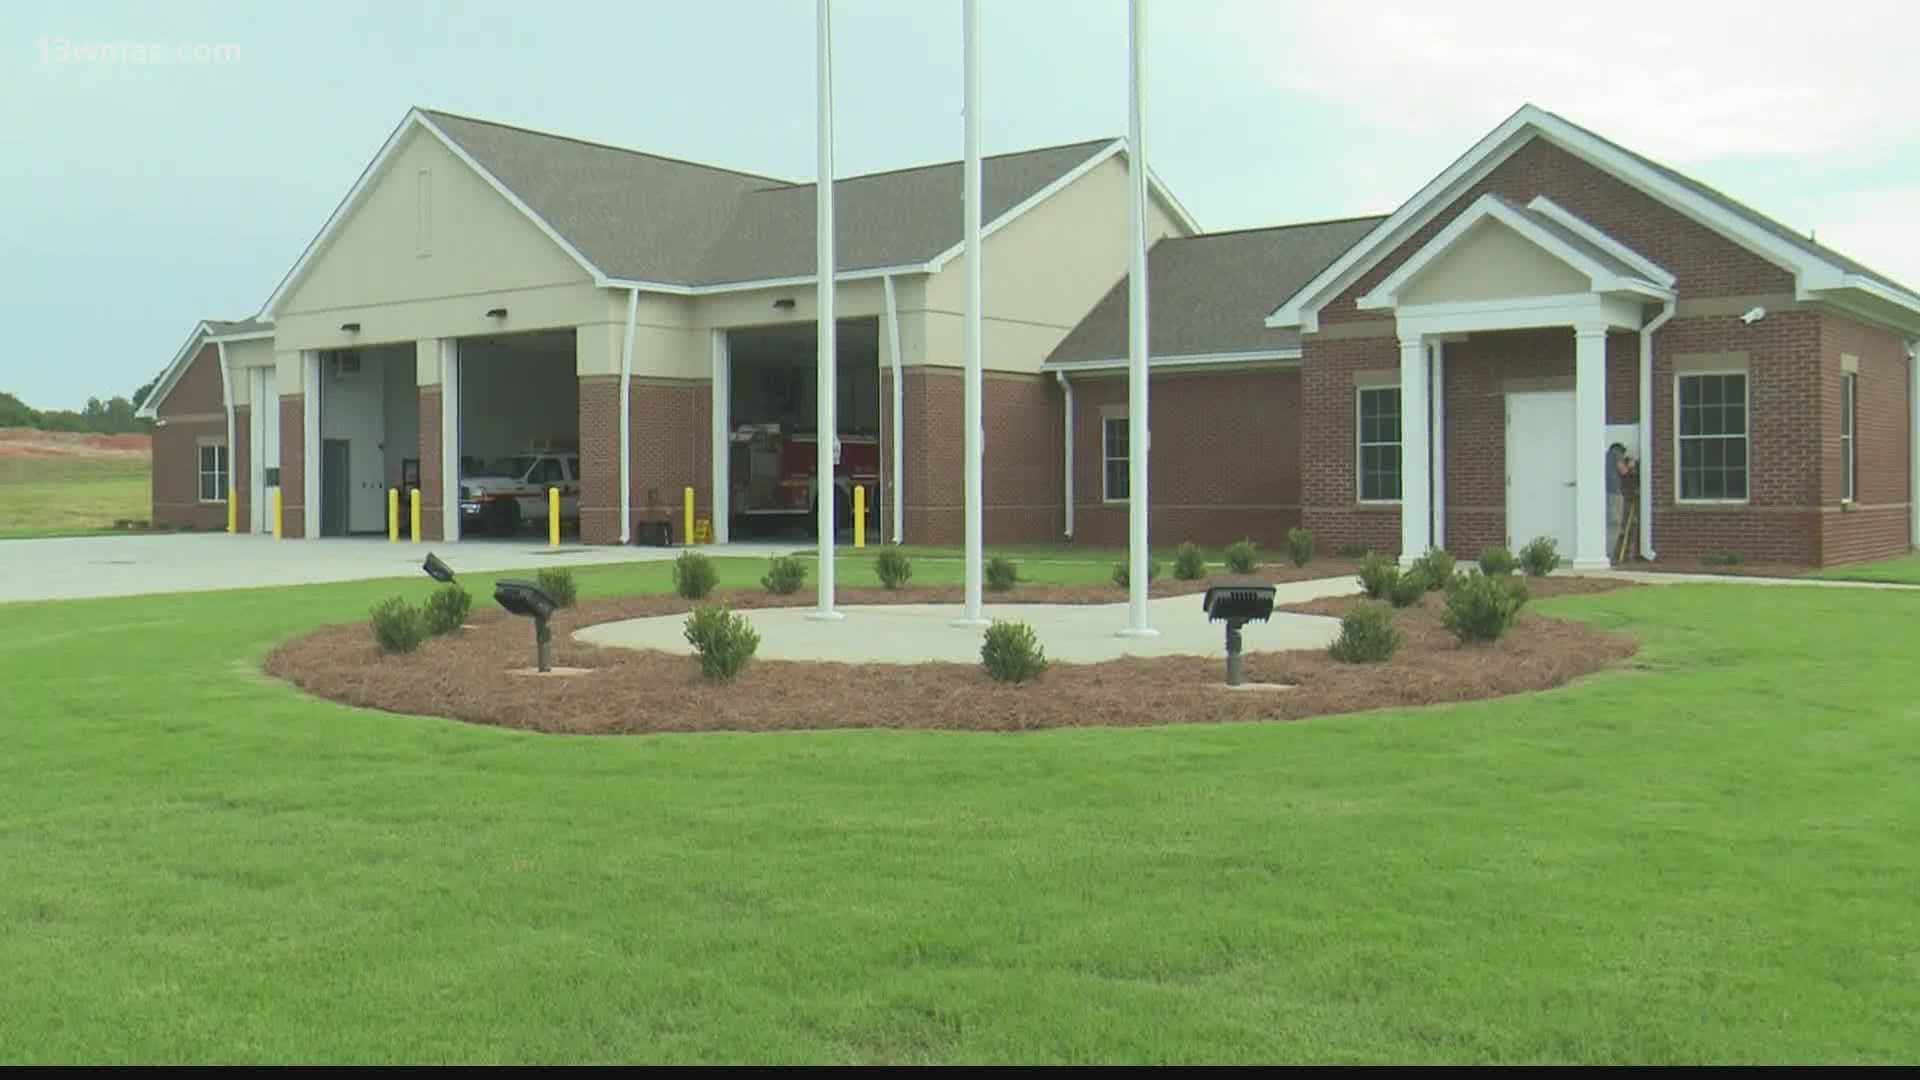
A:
(224, 327)
(642, 217)
(1211, 294)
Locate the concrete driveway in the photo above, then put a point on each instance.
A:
(195, 562)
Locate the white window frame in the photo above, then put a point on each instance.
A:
(223, 465)
(1359, 465)
(1107, 459)
(1849, 441)
(1746, 436)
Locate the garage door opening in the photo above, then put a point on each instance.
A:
(369, 436)
(773, 423)
(519, 434)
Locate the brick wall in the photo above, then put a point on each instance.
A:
(292, 465)
(670, 449)
(1021, 467)
(241, 463)
(600, 459)
(432, 524)
(1328, 443)
(1877, 525)
(1476, 385)
(1706, 263)
(1225, 464)
(194, 409)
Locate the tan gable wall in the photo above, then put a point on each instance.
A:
(1492, 262)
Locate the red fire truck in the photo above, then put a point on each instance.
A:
(773, 472)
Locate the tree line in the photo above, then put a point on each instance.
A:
(114, 416)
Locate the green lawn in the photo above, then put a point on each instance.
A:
(1904, 570)
(59, 496)
(1711, 857)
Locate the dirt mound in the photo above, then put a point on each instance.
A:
(32, 442)
(467, 676)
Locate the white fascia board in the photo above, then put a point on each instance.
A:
(1166, 195)
(1302, 308)
(1486, 206)
(1516, 313)
(1651, 270)
(783, 282)
(1119, 363)
(175, 368)
(414, 118)
(1059, 184)
(250, 335)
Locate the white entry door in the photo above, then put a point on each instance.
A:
(1540, 469)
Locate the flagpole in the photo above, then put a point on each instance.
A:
(1138, 441)
(825, 358)
(971, 449)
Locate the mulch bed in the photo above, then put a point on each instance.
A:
(464, 676)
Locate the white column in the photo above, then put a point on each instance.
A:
(1590, 447)
(626, 419)
(450, 439)
(1439, 443)
(722, 454)
(897, 494)
(825, 356)
(310, 442)
(1416, 473)
(259, 401)
(1139, 437)
(972, 450)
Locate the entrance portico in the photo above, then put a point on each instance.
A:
(1499, 266)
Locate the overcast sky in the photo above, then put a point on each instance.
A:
(142, 197)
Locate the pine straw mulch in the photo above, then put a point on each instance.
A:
(464, 676)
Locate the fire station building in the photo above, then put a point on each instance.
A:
(501, 303)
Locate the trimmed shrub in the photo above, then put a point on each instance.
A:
(558, 584)
(1187, 563)
(1242, 556)
(1002, 573)
(1377, 575)
(1497, 561)
(693, 575)
(1480, 608)
(1123, 577)
(724, 640)
(1367, 636)
(1540, 556)
(1407, 589)
(446, 610)
(1300, 545)
(1720, 557)
(398, 626)
(785, 575)
(1434, 569)
(893, 567)
(1011, 652)
(1352, 551)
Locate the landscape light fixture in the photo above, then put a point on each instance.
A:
(437, 570)
(349, 327)
(785, 303)
(1235, 601)
(497, 313)
(521, 597)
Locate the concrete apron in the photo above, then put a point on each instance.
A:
(1070, 633)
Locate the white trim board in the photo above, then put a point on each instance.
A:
(1272, 356)
(1813, 272)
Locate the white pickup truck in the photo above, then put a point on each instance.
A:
(504, 493)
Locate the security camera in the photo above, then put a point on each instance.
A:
(1753, 315)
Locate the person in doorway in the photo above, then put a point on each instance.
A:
(1620, 466)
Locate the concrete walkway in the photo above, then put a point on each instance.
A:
(63, 569)
(1074, 633)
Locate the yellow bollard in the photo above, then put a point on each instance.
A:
(393, 515)
(859, 515)
(687, 536)
(413, 514)
(233, 510)
(276, 512)
(553, 517)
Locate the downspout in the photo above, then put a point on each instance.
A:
(626, 420)
(226, 399)
(1646, 427)
(1066, 440)
(1913, 443)
(899, 397)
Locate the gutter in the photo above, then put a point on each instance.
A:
(1066, 438)
(1646, 426)
(626, 420)
(894, 497)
